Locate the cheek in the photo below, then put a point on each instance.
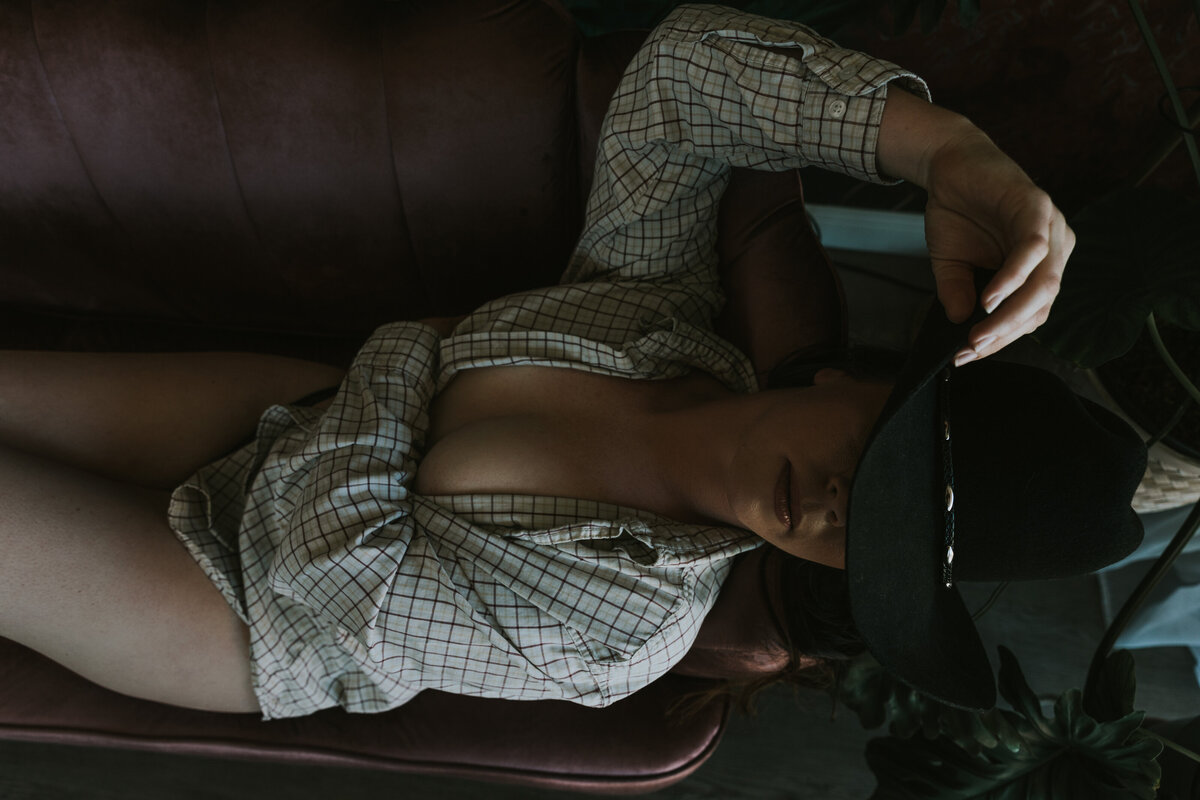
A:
(852, 433)
(810, 475)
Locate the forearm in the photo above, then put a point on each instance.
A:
(912, 131)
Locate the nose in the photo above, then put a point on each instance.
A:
(837, 496)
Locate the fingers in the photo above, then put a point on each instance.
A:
(1019, 298)
(1023, 312)
(1032, 230)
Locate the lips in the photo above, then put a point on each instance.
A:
(783, 496)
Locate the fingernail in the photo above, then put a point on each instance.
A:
(965, 356)
(983, 343)
(989, 304)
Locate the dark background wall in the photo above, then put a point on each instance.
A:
(1067, 87)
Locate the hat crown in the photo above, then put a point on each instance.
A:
(1043, 477)
(1041, 483)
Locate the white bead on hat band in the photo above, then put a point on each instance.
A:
(948, 477)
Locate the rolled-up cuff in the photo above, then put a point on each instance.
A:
(842, 111)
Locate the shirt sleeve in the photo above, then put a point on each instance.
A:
(714, 88)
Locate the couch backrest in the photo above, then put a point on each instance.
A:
(254, 163)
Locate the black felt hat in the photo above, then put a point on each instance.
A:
(986, 472)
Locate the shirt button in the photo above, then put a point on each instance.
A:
(837, 109)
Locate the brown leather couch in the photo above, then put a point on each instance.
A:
(285, 175)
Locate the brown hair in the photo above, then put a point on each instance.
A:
(819, 632)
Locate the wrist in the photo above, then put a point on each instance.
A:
(913, 132)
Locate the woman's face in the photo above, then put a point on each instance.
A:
(789, 478)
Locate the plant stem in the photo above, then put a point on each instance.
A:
(1189, 138)
(1161, 348)
(1134, 603)
(1178, 748)
(1166, 145)
(995, 592)
(1171, 423)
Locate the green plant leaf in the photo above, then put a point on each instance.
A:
(1136, 252)
(1053, 768)
(1020, 754)
(1015, 690)
(864, 691)
(877, 697)
(1006, 733)
(912, 769)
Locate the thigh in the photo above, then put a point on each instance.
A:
(151, 418)
(93, 577)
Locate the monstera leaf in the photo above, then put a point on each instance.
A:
(1000, 754)
(1137, 252)
(1112, 696)
(872, 693)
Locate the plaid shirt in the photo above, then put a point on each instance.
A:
(359, 593)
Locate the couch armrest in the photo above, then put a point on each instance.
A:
(782, 293)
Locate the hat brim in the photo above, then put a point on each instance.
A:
(914, 625)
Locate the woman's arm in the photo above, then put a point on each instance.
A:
(714, 88)
(983, 213)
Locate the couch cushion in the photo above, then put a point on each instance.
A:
(638, 744)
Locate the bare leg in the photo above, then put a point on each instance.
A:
(90, 573)
(151, 419)
(92, 577)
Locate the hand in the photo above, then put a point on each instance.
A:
(985, 213)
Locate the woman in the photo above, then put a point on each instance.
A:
(414, 533)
